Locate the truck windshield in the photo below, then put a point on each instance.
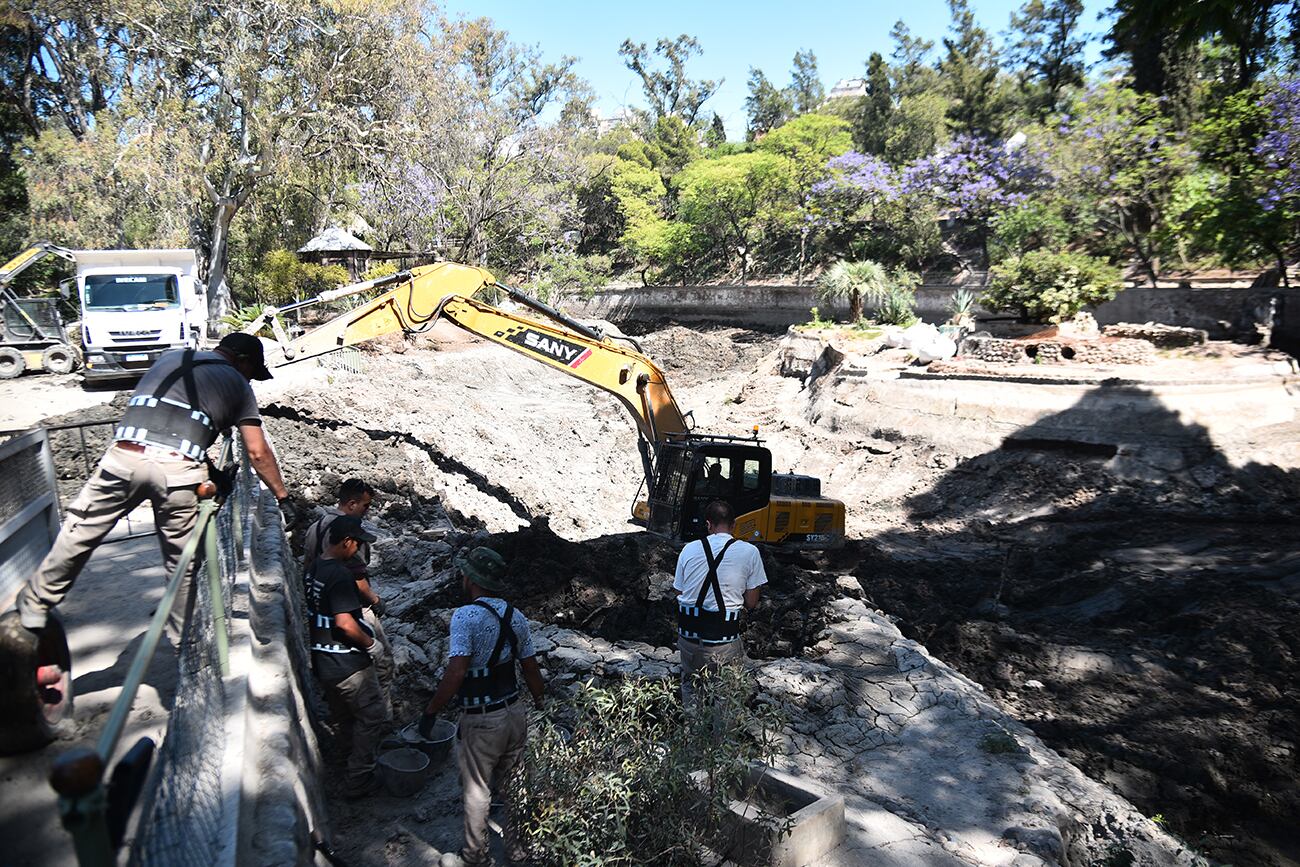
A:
(120, 291)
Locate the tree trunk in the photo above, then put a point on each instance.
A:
(744, 263)
(220, 301)
(855, 306)
(803, 251)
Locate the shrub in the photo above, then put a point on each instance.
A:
(636, 781)
(898, 304)
(281, 278)
(380, 269)
(1043, 286)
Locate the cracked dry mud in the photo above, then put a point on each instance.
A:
(1143, 626)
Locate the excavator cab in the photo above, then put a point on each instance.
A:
(692, 472)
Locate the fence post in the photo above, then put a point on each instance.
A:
(216, 594)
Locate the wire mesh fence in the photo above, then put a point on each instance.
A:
(184, 819)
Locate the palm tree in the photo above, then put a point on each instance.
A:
(855, 281)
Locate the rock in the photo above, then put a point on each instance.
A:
(878, 447)
(1034, 684)
(660, 587)
(849, 586)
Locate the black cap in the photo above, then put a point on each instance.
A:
(348, 527)
(243, 345)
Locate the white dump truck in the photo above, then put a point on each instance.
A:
(136, 305)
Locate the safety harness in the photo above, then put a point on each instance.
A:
(494, 683)
(320, 627)
(697, 623)
(167, 423)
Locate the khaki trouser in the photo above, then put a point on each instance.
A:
(491, 745)
(705, 657)
(360, 703)
(122, 481)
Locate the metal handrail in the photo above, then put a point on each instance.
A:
(78, 774)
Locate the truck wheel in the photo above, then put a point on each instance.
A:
(35, 683)
(59, 359)
(12, 362)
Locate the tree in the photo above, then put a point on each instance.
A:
(678, 143)
(917, 128)
(1247, 26)
(736, 202)
(1047, 286)
(806, 91)
(809, 142)
(263, 84)
(1118, 161)
(767, 106)
(669, 91)
(716, 133)
(504, 181)
(871, 129)
(912, 71)
(969, 70)
(1047, 51)
(854, 281)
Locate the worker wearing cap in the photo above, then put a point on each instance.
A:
(354, 498)
(184, 401)
(487, 637)
(345, 653)
(717, 578)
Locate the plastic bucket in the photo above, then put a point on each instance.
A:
(437, 747)
(403, 771)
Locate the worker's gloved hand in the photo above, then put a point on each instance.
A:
(376, 649)
(425, 728)
(379, 607)
(289, 512)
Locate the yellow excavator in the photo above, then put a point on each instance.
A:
(684, 469)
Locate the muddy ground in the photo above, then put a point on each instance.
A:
(1146, 628)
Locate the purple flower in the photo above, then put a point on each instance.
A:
(1280, 146)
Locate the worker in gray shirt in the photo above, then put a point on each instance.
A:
(488, 636)
(159, 453)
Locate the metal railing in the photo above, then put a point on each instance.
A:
(183, 811)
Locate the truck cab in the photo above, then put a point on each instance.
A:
(136, 305)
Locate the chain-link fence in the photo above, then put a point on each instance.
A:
(184, 818)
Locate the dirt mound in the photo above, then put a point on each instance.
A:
(690, 356)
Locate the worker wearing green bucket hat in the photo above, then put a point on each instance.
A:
(488, 636)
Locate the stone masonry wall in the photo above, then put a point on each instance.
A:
(1115, 350)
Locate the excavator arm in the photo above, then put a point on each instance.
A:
(419, 297)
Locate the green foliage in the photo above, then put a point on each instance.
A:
(1033, 224)
(917, 128)
(855, 282)
(241, 318)
(898, 306)
(379, 269)
(806, 91)
(767, 106)
(633, 781)
(875, 110)
(1045, 286)
(562, 273)
(737, 202)
(282, 278)
(968, 71)
(809, 141)
(962, 303)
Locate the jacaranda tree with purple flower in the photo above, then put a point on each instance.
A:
(1279, 149)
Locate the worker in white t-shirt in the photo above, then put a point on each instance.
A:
(716, 576)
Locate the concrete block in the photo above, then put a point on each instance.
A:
(815, 818)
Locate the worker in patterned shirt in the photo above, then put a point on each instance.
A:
(488, 637)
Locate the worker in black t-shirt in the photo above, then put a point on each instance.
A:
(345, 652)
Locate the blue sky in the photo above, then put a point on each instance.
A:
(734, 36)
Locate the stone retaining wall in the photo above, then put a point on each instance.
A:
(1225, 313)
(281, 804)
(1116, 350)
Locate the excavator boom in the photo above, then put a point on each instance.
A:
(419, 297)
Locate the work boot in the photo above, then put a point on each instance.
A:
(455, 859)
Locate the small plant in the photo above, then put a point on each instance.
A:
(238, 320)
(999, 743)
(633, 780)
(963, 302)
(817, 321)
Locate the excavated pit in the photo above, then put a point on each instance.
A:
(1136, 608)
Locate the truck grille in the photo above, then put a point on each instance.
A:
(134, 336)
